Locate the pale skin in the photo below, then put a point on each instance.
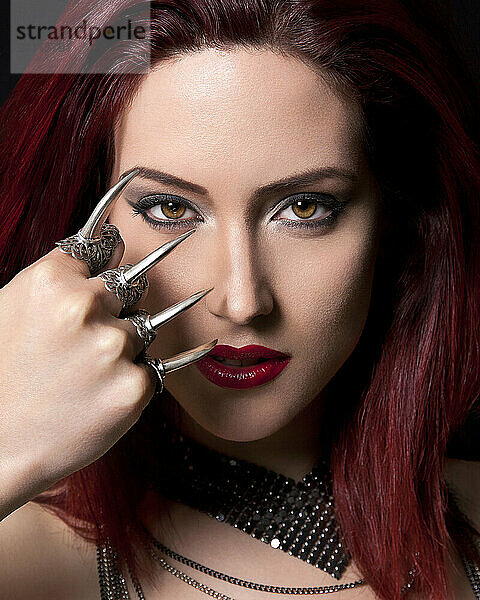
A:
(230, 122)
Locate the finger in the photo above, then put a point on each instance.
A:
(70, 266)
(146, 326)
(150, 383)
(89, 256)
(135, 345)
(161, 367)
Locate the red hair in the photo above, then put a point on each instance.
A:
(414, 374)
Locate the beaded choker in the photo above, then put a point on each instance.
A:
(294, 517)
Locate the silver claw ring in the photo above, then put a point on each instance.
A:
(97, 240)
(129, 282)
(143, 325)
(147, 325)
(127, 291)
(157, 366)
(96, 252)
(162, 367)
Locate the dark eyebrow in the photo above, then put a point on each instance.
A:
(305, 178)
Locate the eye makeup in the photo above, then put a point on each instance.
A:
(146, 203)
(334, 208)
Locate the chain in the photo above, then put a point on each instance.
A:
(111, 580)
(250, 584)
(473, 573)
(187, 579)
(136, 585)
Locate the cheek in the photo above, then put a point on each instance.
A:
(328, 294)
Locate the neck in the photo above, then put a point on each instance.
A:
(291, 451)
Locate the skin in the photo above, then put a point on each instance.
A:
(232, 122)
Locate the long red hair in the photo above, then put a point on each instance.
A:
(415, 373)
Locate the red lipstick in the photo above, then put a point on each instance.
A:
(269, 363)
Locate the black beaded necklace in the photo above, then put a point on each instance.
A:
(294, 517)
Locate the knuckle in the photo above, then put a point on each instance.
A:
(77, 308)
(142, 385)
(44, 276)
(139, 389)
(113, 343)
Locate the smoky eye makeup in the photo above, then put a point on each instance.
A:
(324, 208)
(308, 211)
(169, 207)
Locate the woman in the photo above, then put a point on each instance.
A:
(321, 154)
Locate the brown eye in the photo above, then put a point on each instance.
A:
(304, 208)
(310, 211)
(172, 210)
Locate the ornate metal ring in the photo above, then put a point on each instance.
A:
(127, 291)
(96, 252)
(143, 325)
(159, 369)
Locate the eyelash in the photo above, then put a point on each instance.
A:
(326, 201)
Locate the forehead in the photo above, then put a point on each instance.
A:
(251, 109)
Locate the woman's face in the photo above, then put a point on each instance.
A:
(290, 273)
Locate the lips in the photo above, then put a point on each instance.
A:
(253, 351)
(260, 365)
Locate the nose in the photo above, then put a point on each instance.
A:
(242, 291)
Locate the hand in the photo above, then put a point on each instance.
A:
(71, 380)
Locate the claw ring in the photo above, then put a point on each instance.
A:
(127, 291)
(129, 282)
(143, 325)
(97, 240)
(96, 252)
(157, 366)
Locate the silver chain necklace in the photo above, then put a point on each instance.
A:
(473, 574)
(113, 585)
(273, 589)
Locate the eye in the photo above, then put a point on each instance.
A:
(165, 211)
(324, 207)
(169, 209)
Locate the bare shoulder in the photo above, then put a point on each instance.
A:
(42, 558)
(464, 478)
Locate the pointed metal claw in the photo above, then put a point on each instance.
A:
(154, 257)
(169, 313)
(97, 240)
(162, 367)
(147, 326)
(92, 228)
(186, 358)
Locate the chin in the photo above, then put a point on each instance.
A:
(240, 420)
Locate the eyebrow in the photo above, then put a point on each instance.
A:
(294, 181)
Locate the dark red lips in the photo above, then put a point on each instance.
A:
(271, 364)
(245, 352)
